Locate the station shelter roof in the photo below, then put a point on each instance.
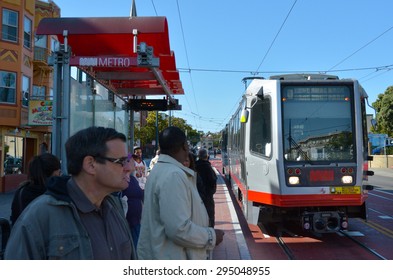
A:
(103, 47)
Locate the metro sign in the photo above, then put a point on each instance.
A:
(104, 61)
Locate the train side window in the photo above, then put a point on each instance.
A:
(260, 128)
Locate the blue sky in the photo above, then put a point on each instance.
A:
(219, 42)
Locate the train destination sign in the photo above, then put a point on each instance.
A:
(104, 61)
(152, 105)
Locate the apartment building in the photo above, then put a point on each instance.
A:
(25, 87)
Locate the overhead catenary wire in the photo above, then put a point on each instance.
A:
(154, 7)
(376, 68)
(380, 72)
(381, 69)
(188, 63)
(275, 37)
(361, 48)
(375, 71)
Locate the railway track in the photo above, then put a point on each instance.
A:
(368, 249)
(331, 244)
(285, 248)
(276, 232)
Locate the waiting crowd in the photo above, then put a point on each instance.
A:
(112, 206)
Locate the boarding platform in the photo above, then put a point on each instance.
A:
(234, 246)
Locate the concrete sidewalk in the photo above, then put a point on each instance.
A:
(385, 172)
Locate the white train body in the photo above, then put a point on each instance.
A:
(296, 148)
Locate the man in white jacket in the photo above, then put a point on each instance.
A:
(174, 222)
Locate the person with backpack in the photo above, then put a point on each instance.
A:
(209, 179)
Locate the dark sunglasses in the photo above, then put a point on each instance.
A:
(122, 161)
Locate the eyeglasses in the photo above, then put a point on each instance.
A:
(122, 161)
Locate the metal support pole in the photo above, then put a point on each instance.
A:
(56, 109)
(66, 108)
(93, 92)
(61, 101)
(132, 131)
(384, 151)
(114, 115)
(156, 146)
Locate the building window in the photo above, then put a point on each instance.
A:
(9, 28)
(41, 48)
(38, 92)
(41, 41)
(25, 90)
(7, 87)
(27, 33)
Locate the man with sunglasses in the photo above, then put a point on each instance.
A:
(79, 217)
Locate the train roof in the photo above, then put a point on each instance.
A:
(304, 77)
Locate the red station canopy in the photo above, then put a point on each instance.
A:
(104, 48)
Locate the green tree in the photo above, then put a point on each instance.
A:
(147, 133)
(384, 108)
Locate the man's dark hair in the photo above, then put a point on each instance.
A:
(202, 154)
(171, 140)
(89, 142)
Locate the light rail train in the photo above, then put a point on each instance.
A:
(296, 149)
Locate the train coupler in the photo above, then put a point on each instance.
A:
(324, 222)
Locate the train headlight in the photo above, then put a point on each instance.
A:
(347, 179)
(344, 222)
(294, 180)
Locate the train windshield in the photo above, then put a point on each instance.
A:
(317, 122)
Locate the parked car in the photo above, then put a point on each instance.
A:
(381, 151)
(13, 165)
